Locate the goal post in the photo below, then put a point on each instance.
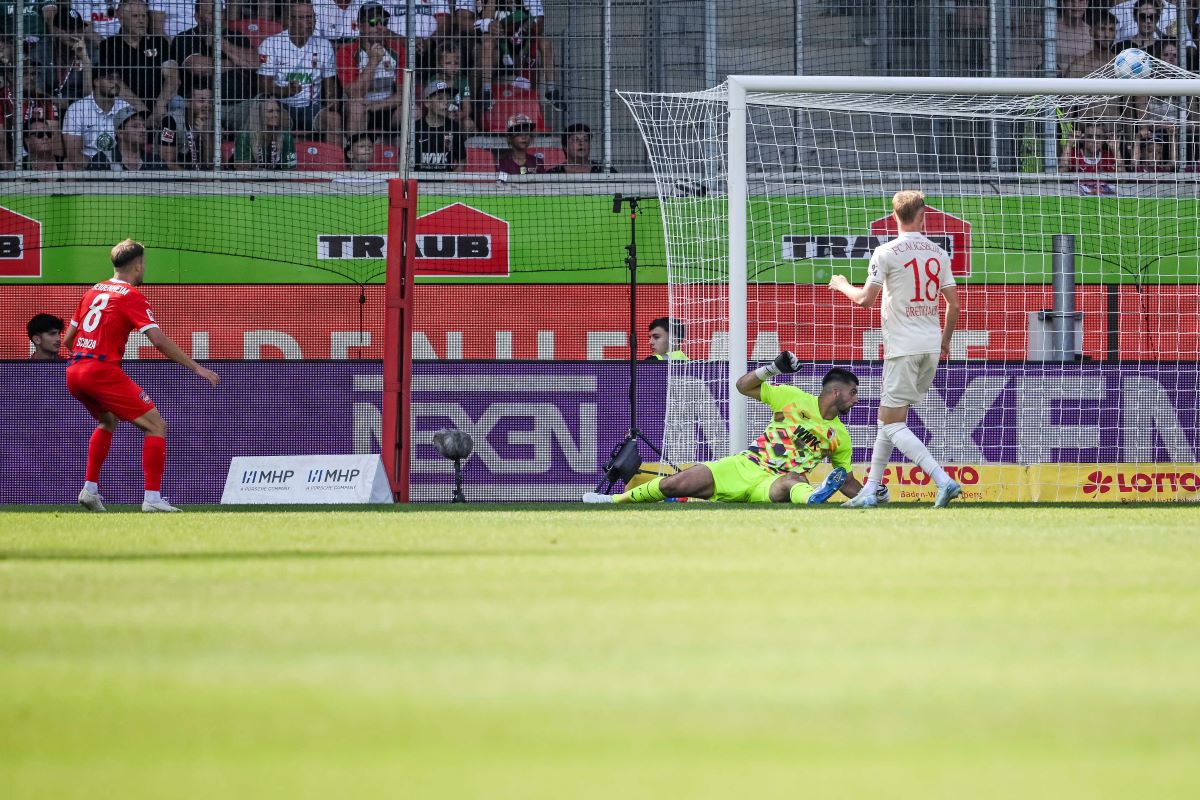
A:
(396, 443)
(802, 170)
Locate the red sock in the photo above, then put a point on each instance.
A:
(97, 451)
(154, 459)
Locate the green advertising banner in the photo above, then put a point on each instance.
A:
(326, 237)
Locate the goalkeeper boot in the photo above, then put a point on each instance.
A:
(947, 493)
(92, 502)
(833, 481)
(596, 497)
(157, 505)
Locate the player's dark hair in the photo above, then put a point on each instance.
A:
(673, 327)
(839, 375)
(126, 252)
(43, 323)
(353, 140)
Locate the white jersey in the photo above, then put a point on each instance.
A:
(335, 22)
(912, 271)
(307, 65)
(95, 126)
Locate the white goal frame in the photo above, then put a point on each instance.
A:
(740, 86)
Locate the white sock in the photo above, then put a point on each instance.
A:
(152, 496)
(916, 451)
(881, 453)
(91, 487)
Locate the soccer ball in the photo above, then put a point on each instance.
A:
(1132, 63)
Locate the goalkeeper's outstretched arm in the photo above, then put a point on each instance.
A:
(750, 383)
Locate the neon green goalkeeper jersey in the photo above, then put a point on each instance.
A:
(798, 437)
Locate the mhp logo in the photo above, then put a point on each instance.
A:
(323, 475)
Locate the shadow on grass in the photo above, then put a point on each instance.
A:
(281, 555)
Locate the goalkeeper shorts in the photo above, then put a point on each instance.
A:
(737, 479)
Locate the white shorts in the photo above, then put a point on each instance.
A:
(906, 379)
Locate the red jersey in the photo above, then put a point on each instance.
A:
(106, 315)
(1078, 161)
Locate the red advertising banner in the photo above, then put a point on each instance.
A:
(590, 322)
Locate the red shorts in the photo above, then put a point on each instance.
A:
(105, 387)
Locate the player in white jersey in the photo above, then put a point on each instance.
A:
(912, 273)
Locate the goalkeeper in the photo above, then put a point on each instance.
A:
(803, 431)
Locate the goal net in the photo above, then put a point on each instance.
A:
(1070, 210)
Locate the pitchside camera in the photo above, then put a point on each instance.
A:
(456, 446)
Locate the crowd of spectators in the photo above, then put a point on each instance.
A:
(1137, 134)
(126, 85)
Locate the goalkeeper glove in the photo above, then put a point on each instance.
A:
(784, 362)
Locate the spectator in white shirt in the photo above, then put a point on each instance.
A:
(298, 67)
(337, 20)
(98, 19)
(88, 125)
(172, 17)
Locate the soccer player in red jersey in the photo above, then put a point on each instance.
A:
(96, 337)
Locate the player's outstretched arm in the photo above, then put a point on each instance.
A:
(171, 350)
(864, 297)
(952, 309)
(749, 383)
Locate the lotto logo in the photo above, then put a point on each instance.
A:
(915, 476)
(1099, 482)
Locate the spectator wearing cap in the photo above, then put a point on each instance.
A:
(577, 151)
(143, 60)
(371, 72)
(298, 67)
(130, 153)
(517, 160)
(438, 140)
(88, 124)
(45, 337)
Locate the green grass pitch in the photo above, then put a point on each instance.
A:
(674, 651)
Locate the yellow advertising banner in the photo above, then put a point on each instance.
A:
(1037, 483)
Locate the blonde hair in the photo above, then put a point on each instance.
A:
(125, 253)
(260, 137)
(908, 205)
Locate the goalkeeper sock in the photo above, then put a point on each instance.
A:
(648, 492)
(916, 451)
(881, 453)
(154, 460)
(800, 493)
(97, 451)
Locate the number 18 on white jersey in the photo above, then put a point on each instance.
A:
(912, 271)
